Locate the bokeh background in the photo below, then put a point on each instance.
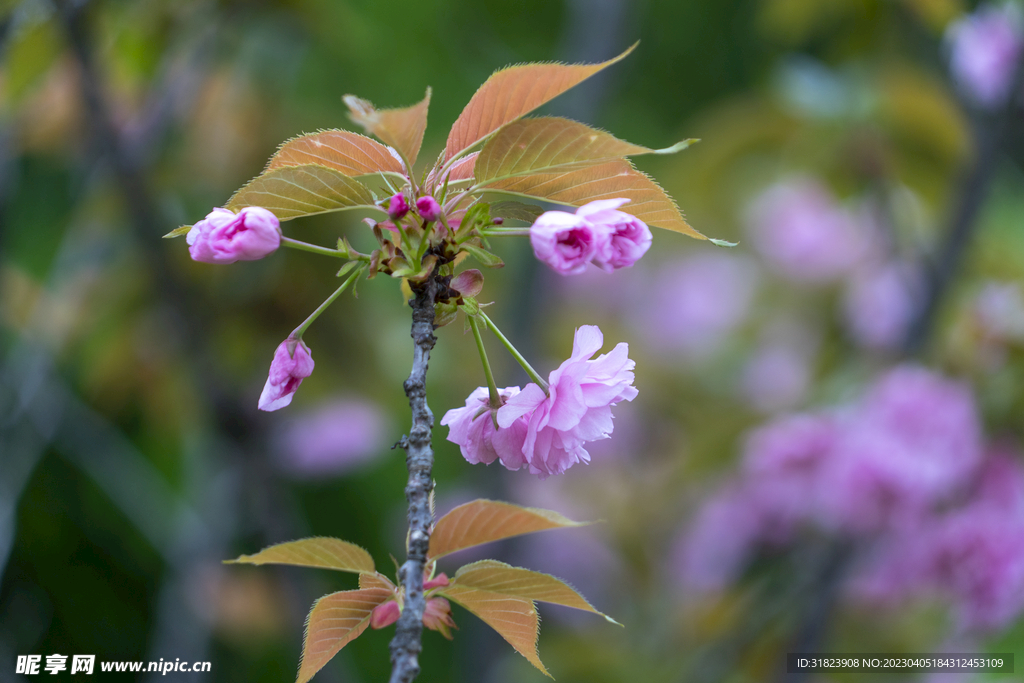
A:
(825, 454)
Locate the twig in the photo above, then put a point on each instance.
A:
(419, 459)
(990, 136)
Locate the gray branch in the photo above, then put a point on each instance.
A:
(419, 458)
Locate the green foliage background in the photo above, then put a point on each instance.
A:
(132, 457)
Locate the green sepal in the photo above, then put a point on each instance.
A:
(178, 232)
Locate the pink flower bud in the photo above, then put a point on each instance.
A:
(621, 239)
(397, 207)
(385, 615)
(564, 241)
(428, 208)
(226, 237)
(438, 616)
(287, 371)
(437, 582)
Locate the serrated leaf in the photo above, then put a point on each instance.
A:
(320, 551)
(376, 580)
(305, 190)
(498, 577)
(518, 211)
(401, 128)
(515, 619)
(608, 180)
(178, 232)
(483, 521)
(349, 153)
(335, 621)
(548, 144)
(514, 92)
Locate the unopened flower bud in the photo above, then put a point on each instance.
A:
(428, 208)
(397, 207)
(287, 371)
(498, 221)
(225, 237)
(385, 615)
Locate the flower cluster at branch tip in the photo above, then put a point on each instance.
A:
(292, 363)
(546, 431)
(597, 233)
(903, 476)
(226, 237)
(985, 49)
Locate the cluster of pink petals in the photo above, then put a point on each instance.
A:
(428, 208)
(903, 476)
(474, 429)
(226, 237)
(546, 432)
(879, 466)
(289, 367)
(597, 233)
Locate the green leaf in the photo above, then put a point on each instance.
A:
(320, 551)
(178, 232)
(515, 619)
(514, 92)
(376, 580)
(498, 577)
(486, 258)
(401, 128)
(517, 211)
(549, 144)
(607, 180)
(334, 622)
(484, 521)
(348, 153)
(295, 191)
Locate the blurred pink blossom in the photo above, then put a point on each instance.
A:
(696, 302)
(778, 373)
(226, 237)
(576, 407)
(713, 551)
(803, 233)
(333, 437)
(292, 363)
(878, 467)
(880, 303)
(984, 49)
(397, 207)
(999, 310)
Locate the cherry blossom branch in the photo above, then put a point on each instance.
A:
(407, 643)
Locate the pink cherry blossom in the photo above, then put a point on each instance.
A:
(984, 50)
(472, 428)
(576, 407)
(621, 239)
(879, 304)
(226, 237)
(287, 371)
(332, 438)
(428, 208)
(564, 241)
